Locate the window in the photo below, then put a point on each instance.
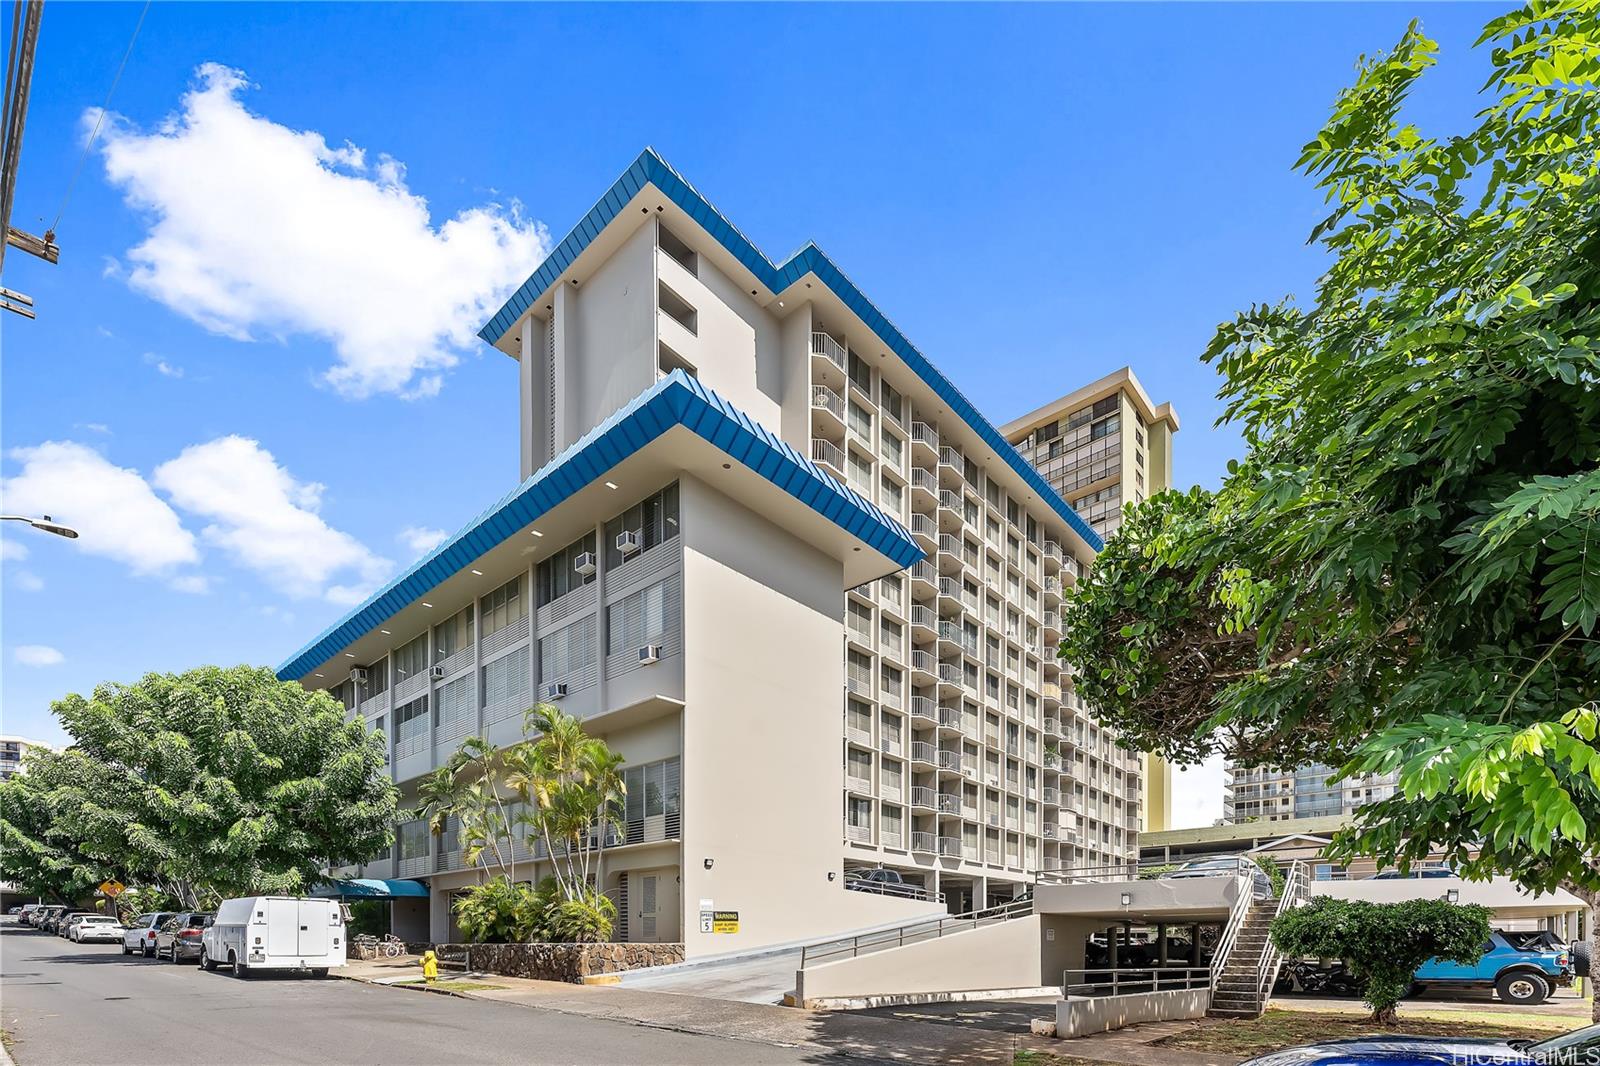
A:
(668, 360)
(674, 246)
(860, 813)
(677, 308)
(860, 420)
(454, 635)
(652, 810)
(568, 650)
(412, 659)
(892, 402)
(653, 520)
(506, 679)
(860, 373)
(504, 606)
(556, 574)
(413, 840)
(643, 617)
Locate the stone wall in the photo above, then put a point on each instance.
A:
(561, 962)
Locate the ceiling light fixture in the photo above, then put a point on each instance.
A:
(475, 570)
(535, 532)
(611, 484)
(425, 603)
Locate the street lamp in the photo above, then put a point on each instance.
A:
(45, 523)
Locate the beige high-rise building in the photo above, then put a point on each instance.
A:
(1101, 447)
(774, 557)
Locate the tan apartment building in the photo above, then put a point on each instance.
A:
(1101, 447)
(772, 555)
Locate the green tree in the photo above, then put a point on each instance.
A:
(214, 782)
(1383, 944)
(1403, 573)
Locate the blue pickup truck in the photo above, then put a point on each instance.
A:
(1522, 968)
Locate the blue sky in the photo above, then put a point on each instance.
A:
(252, 381)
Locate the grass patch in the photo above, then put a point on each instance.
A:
(1044, 1058)
(1278, 1029)
(454, 986)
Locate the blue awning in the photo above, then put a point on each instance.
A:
(370, 888)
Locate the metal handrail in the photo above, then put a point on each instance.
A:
(1296, 892)
(1130, 982)
(1236, 919)
(914, 932)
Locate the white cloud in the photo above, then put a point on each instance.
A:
(163, 367)
(27, 580)
(257, 229)
(94, 427)
(268, 521)
(194, 584)
(114, 511)
(11, 551)
(420, 540)
(36, 655)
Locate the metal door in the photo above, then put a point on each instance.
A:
(283, 920)
(314, 927)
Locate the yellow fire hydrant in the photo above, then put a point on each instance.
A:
(430, 967)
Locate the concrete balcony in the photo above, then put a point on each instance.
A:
(830, 351)
(924, 711)
(925, 842)
(922, 754)
(925, 438)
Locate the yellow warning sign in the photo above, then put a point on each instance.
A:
(724, 921)
(112, 888)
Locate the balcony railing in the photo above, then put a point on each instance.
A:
(950, 847)
(825, 399)
(927, 842)
(923, 752)
(949, 803)
(925, 435)
(924, 797)
(828, 454)
(825, 346)
(924, 708)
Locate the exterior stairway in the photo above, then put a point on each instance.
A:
(1237, 992)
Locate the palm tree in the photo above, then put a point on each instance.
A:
(603, 769)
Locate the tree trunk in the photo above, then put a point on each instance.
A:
(1387, 1017)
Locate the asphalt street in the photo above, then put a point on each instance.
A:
(64, 1003)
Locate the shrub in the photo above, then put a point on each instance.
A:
(1384, 943)
(585, 919)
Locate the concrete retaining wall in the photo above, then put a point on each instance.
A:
(561, 962)
(1097, 1014)
(1000, 956)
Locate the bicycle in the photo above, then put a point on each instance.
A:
(392, 947)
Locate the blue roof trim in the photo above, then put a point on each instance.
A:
(650, 168)
(675, 400)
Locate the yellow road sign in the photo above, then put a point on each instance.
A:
(112, 888)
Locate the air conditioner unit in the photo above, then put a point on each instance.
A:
(584, 563)
(437, 673)
(628, 541)
(650, 653)
(358, 674)
(555, 691)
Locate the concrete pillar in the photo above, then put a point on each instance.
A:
(1113, 954)
(1161, 943)
(1194, 944)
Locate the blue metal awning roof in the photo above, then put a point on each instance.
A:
(370, 888)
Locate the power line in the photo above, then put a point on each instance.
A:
(99, 119)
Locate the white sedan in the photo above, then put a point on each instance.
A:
(100, 927)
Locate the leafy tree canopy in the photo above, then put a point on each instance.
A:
(1383, 944)
(215, 782)
(1403, 573)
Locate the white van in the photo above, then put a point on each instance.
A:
(275, 933)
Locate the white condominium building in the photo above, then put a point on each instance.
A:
(1101, 447)
(772, 556)
(13, 749)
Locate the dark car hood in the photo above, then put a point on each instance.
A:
(1458, 1051)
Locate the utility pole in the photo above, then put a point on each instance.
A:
(25, 18)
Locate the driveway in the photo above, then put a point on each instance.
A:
(85, 1005)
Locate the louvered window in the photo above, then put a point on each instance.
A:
(506, 678)
(654, 801)
(642, 618)
(568, 650)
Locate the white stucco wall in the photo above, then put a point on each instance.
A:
(1000, 956)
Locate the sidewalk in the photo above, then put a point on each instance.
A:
(842, 1034)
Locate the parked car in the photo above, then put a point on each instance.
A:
(881, 880)
(25, 915)
(14, 910)
(179, 936)
(97, 927)
(275, 933)
(41, 916)
(140, 934)
(1580, 1045)
(1519, 975)
(69, 924)
(1260, 883)
(57, 923)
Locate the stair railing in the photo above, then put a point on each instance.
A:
(913, 932)
(1296, 891)
(1236, 918)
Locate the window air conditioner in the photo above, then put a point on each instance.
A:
(437, 673)
(649, 653)
(628, 541)
(555, 691)
(584, 564)
(358, 674)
